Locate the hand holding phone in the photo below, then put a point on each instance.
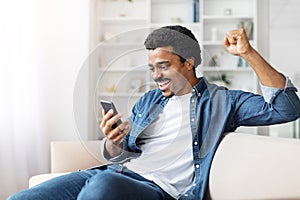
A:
(115, 133)
(107, 105)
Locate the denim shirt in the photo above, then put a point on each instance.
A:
(214, 111)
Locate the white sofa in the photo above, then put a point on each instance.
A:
(245, 166)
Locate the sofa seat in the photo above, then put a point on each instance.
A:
(35, 180)
(245, 166)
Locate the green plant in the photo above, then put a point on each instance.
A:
(223, 78)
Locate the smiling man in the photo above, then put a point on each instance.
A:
(173, 57)
(165, 149)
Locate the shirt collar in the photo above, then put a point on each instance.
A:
(200, 86)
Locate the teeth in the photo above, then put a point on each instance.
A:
(164, 83)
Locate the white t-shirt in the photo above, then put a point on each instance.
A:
(167, 155)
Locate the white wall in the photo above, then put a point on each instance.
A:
(45, 43)
(56, 33)
(284, 36)
(63, 29)
(284, 40)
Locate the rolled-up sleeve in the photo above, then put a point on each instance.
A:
(276, 105)
(269, 92)
(123, 156)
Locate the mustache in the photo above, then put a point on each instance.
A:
(161, 80)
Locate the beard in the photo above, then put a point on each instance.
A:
(168, 96)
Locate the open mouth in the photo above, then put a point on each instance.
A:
(164, 85)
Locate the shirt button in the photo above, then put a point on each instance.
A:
(193, 119)
(186, 195)
(199, 94)
(195, 143)
(197, 166)
(139, 115)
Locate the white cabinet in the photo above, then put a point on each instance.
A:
(219, 16)
(119, 27)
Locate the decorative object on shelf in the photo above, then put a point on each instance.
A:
(176, 20)
(135, 85)
(196, 11)
(249, 29)
(213, 61)
(123, 10)
(220, 80)
(110, 89)
(216, 59)
(108, 35)
(117, 0)
(241, 25)
(248, 26)
(228, 11)
(214, 34)
(242, 62)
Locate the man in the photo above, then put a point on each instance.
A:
(165, 149)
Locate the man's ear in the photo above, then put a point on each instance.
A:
(190, 62)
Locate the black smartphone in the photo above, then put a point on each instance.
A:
(107, 105)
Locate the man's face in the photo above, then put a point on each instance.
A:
(168, 72)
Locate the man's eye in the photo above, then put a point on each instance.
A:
(163, 67)
(151, 69)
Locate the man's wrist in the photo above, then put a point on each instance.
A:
(110, 143)
(113, 148)
(250, 52)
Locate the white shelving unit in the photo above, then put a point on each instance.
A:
(120, 27)
(217, 18)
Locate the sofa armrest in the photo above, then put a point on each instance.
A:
(67, 156)
(249, 166)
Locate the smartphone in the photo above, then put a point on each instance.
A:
(107, 105)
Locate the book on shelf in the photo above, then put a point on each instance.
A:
(196, 11)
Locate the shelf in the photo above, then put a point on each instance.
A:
(219, 43)
(152, 14)
(224, 68)
(119, 94)
(121, 44)
(122, 27)
(173, 11)
(123, 69)
(226, 17)
(131, 20)
(192, 24)
(213, 43)
(168, 1)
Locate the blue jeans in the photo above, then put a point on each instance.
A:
(107, 182)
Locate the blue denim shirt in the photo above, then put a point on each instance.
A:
(213, 111)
